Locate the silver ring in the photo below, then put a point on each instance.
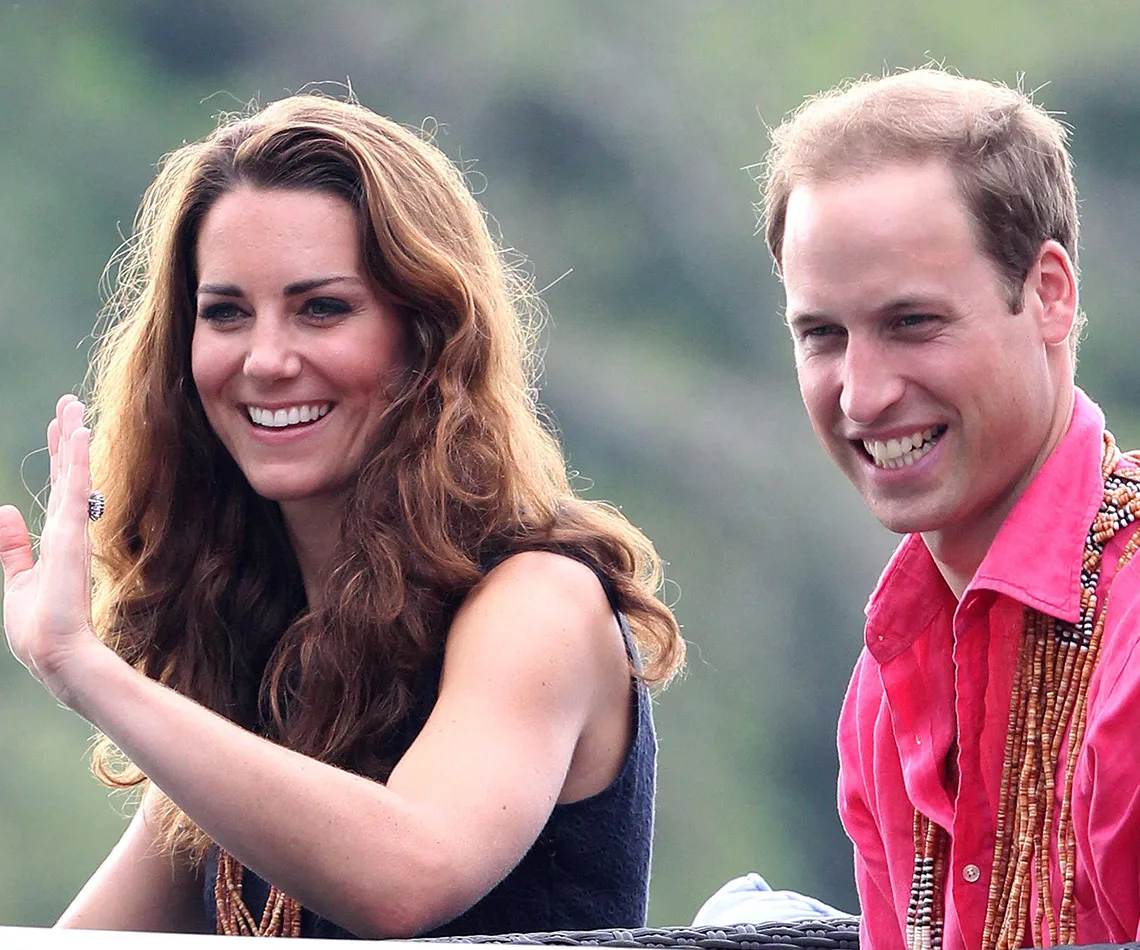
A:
(95, 505)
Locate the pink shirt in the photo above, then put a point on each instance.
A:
(934, 668)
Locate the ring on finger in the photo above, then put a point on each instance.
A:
(95, 505)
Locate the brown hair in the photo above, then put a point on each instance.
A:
(196, 582)
(1009, 156)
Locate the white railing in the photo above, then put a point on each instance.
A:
(40, 938)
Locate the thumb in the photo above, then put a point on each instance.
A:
(15, 545)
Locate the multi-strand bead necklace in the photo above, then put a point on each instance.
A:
(1049, 699)
(281, 917)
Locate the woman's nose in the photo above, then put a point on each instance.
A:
(271, 353)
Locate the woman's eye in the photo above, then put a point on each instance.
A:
(220, 313)
(324, 308)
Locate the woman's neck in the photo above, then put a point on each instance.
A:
(314, 530)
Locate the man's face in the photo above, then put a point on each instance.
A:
(936, 401)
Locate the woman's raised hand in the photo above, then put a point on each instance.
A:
(47, 603)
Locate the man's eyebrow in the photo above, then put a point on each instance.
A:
(805, 316)
(290, 290)
(908, 303)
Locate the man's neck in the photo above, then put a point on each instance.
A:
(958, 558)
(958, 550)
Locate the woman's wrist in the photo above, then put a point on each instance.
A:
(85, 676)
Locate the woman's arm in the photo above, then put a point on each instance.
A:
(533, 706)
(139, 886)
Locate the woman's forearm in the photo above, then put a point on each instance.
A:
(346, 847)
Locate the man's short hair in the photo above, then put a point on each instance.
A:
(1009, 156)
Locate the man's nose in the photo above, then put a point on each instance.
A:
(871, 382)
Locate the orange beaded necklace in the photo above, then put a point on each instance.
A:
(281, 917)
(1049, 699)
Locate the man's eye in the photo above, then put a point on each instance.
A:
(820, 333)
(912, 320)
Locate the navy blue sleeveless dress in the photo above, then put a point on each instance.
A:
(588, 869)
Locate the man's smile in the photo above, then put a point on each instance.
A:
(898, 453)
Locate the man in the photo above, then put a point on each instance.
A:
(925, 228)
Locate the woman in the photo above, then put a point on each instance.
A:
(350, 628)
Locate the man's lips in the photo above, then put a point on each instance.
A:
(904, 450)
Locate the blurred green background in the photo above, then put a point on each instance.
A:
(610, 143)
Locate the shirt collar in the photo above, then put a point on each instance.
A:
(1036, 555)
(910, 593)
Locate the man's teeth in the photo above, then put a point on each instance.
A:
(280, 418)
(897, 453)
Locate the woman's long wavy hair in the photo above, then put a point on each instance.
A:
(196, 582)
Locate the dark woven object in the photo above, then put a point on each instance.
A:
(830, 933)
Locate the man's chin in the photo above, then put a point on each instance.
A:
(904, 518)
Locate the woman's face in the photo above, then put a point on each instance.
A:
(294, 354)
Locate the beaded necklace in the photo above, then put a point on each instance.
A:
(281, 917)
(1050, 695)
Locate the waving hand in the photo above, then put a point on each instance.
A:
(47, 603)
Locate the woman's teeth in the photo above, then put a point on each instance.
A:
(897, 453)
(280, 418)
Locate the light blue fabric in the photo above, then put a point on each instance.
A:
(749, 900)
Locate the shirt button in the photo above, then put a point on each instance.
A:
(971, 873)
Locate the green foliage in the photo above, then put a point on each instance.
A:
(614, 141)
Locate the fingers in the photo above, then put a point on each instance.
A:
(15, 545)
(64, 401)
(70, 422)
(53, 454)
(69, 447)
(80, 474)
(75, 473)
(54, 440)
(65, 549)
(53, 448)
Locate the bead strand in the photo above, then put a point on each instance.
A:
(1049, 699)
(280, 918)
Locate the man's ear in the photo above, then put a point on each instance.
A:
(1053, 281)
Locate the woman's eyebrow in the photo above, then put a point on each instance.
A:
(220, 290)
(304, 286)
(290, 290)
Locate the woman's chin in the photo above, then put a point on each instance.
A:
(295, 493)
